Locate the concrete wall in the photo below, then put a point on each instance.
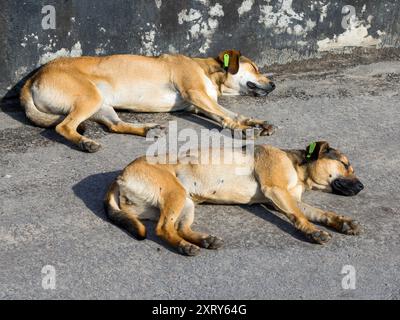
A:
(267, 31)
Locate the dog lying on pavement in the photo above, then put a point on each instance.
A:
(167, 193)
(67, 91)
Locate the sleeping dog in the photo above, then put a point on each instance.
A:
(167, 192)
(68, 91)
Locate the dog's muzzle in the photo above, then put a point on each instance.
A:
(346, 186)
(260, 91)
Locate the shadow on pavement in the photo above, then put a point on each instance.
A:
(265, 213)
(92, 190)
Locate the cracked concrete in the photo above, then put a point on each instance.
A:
(51, 209)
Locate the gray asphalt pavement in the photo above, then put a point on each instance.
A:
(51, 210)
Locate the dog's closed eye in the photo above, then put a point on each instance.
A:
(346, 165)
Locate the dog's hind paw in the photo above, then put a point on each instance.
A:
(189, 249)
(320, 237)
(212, 242)
(155, 130)
(89, 146)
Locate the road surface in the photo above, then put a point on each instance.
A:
(51, 210)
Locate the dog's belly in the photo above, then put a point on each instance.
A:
(149, 97)
(220, 185)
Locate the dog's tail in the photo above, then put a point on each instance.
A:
(41, 119)
(128, 221)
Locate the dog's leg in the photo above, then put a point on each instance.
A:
(265, 128)
(122, 214)
(261, 128)
(185, 231)
(212, 109)
(171, 205)
(107, 116)
(84, 107)
(282, 199)
(227, 119)
(338, 222)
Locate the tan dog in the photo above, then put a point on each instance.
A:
(68, 91)
(168, 192)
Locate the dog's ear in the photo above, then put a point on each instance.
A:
(232, 61)
(316, 150)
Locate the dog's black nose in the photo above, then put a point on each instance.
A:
(359, 186)
(271, 87)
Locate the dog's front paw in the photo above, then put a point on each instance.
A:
(212, 242)
(188, 249)
(249, 133)
(89, 145)
(267, 129)
(343, 224)
(232, 124)
(320, 237)
(350, 227)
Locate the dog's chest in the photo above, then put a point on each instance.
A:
(211, 89)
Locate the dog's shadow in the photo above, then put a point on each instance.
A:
(270, 215)
(92, 190)
(198, 119)
(10, 103)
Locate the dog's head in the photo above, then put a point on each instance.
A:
(331, 171)
(243, 76)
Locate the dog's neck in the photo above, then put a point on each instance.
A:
(213, 70)
(301, 165)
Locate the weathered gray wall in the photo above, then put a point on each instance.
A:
(267, 31)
